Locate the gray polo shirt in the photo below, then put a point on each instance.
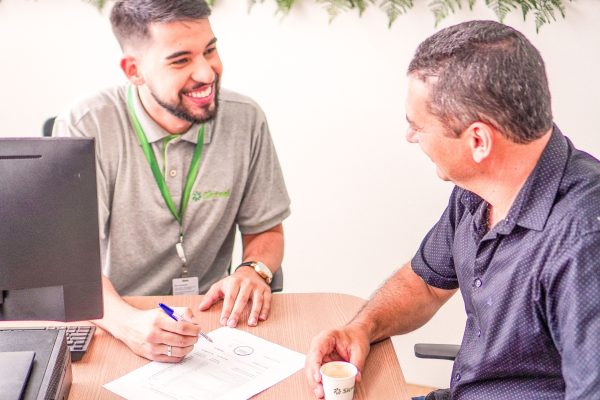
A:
(239, 183)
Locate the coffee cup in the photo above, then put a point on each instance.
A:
(338, 379)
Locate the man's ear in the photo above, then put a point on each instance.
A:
(130, 66)
(481, 140)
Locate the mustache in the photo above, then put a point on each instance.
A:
(199, 85)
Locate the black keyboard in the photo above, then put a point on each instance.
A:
(78, 337)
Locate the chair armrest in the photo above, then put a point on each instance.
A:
(277, 281)
(436, 351)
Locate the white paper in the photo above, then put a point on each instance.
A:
(236, 366)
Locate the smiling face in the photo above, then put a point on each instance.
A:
(449, 153)
(177, 72)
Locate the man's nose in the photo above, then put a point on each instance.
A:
(412, 136)
(203, 72)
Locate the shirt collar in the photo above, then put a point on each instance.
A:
(536, 198)
(155, 132)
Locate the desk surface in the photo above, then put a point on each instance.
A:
(295, 318)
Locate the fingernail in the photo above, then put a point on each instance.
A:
(317, 377)
(252, 322)
(316, 392)
(223, 321)
(263, 317)
(232, 323)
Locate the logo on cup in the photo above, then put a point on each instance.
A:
(339, 391)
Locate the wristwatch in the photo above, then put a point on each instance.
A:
(261, 269)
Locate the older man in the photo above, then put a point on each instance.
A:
(520, 236)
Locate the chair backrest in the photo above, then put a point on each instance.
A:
(47, 127)
(277, 281)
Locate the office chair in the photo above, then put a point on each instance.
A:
(437, 351)
(47, 127)
(277, 281)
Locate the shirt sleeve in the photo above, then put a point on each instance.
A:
(433, 261)
(265, 203)
(571, 288)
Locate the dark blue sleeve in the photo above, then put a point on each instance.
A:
(571, 288)
(433, 261)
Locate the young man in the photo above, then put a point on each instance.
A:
(520, 236)
(180, 164)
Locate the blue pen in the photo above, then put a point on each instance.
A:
(178, 317)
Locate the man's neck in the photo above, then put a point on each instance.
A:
(166, 120)
(506, 173)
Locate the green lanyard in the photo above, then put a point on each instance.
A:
(158, 176)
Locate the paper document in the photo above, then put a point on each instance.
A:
(236, 366)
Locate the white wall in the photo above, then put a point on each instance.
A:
(334, 95)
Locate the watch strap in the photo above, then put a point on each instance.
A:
(261, 269)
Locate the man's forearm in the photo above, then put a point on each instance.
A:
(266, 247)
(116, 310)
(404, 303)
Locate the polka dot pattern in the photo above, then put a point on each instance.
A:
(531, 285)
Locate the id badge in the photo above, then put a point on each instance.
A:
(186, 286)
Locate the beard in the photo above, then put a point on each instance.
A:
(182, 112)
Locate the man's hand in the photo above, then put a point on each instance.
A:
(350, 343)
(155, 336)
(243, 286)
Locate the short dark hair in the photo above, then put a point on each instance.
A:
(130, 18)
(488, 72)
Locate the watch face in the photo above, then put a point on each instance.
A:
(263, 271)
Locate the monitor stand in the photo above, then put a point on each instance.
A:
(50, 376)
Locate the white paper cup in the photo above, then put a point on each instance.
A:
(338, 379)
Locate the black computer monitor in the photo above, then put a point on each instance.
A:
(49, 244)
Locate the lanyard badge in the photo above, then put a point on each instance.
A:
(160, 179)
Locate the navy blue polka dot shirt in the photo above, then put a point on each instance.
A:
(531, 285)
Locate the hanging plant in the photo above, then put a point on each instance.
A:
(544, 11)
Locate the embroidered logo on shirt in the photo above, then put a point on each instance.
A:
(210, 194)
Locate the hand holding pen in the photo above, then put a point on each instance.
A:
(179, 317)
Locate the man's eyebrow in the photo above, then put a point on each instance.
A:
(187, 52)
(178, 54)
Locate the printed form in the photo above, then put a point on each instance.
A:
(236, 366)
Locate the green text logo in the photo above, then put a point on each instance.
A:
(210, 194)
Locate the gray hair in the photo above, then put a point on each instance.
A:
(130, 18)
(488, 72)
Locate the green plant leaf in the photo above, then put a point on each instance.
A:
(335, 7)
(395, 8)
(284, 6)
(502, 7)
(442, 8)
(99, 4)
(545, 11)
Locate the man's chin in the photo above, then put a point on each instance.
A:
(442, 175)
(207, 114)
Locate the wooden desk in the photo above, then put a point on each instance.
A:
(295, 318)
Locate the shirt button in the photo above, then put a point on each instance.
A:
(477, 282)
(172, 173)
(457, 377)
